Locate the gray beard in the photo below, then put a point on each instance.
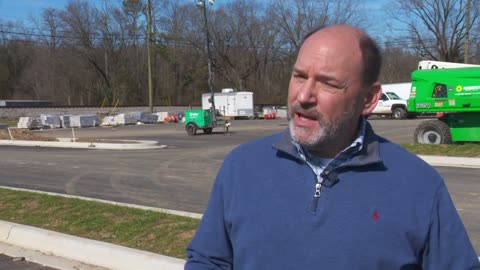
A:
(328, 132)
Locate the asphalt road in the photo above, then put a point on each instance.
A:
(9, 263)
(180, 176)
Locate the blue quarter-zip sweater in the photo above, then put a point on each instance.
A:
(382, 209)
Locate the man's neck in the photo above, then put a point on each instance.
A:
(332, 148)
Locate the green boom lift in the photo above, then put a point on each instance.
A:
(454, 95)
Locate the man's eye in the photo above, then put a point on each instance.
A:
(299, 76)
(332, 87)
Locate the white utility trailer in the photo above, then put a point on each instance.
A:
(230, 103)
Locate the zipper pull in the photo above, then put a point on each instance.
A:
(316, 197)
(317, 190)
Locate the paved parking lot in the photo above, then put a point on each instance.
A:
(180, 176)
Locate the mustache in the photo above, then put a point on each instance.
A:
(308, 112)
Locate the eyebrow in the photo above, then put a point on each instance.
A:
(320, 77)
(296, 70)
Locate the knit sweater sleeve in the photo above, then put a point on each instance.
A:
(211, 248)
(447, 245)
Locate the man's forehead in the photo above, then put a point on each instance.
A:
(328, 51)
(313, 53)
(336, 37)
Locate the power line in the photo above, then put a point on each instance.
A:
(71, 37)
(175, 40)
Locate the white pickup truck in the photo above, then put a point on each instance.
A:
(391, 104)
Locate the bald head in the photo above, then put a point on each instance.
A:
(355, 39)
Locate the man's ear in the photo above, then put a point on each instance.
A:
(371, 98)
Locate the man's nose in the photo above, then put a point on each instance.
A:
(306, 94)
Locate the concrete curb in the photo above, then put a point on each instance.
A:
(89, 252)
(128, 145)
(444, 161)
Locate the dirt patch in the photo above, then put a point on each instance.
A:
(27, 135)
(23, 134)
(186, 235)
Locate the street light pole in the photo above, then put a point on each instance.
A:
(149, 61)
(203, 5)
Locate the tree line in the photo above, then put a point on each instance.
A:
(93, 53)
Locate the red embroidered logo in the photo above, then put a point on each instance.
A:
(375, 215)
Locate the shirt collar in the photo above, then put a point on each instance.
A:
(355, 147)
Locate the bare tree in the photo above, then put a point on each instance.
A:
(298, 17)
(80, 20)
(16, 47)
(83, 53)
(435, 28)
(237, 38)
(180, 55)
(398, 63)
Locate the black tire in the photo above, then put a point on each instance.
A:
(207, 130)
(191, 129)
(399, 113)
(411, 115)
(432, 132)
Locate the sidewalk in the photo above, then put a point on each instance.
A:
(444, 161)
(68, 252)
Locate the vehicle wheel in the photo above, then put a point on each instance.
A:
(411, 115)
(191, 129)
(207, 130)
(399, 113)
(432, 132)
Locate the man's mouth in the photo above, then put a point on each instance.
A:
(305, 119)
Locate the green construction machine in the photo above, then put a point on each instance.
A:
(454, 95)
(205, 120)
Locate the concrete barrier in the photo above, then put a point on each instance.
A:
(83, 250)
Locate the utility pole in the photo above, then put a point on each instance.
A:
(203, 4)
(149, 62)
(467, 29)
(105, 40)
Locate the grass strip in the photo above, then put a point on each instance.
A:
(9, 121)
(141, 229)
(453, 150)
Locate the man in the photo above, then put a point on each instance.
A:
(329, 193)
